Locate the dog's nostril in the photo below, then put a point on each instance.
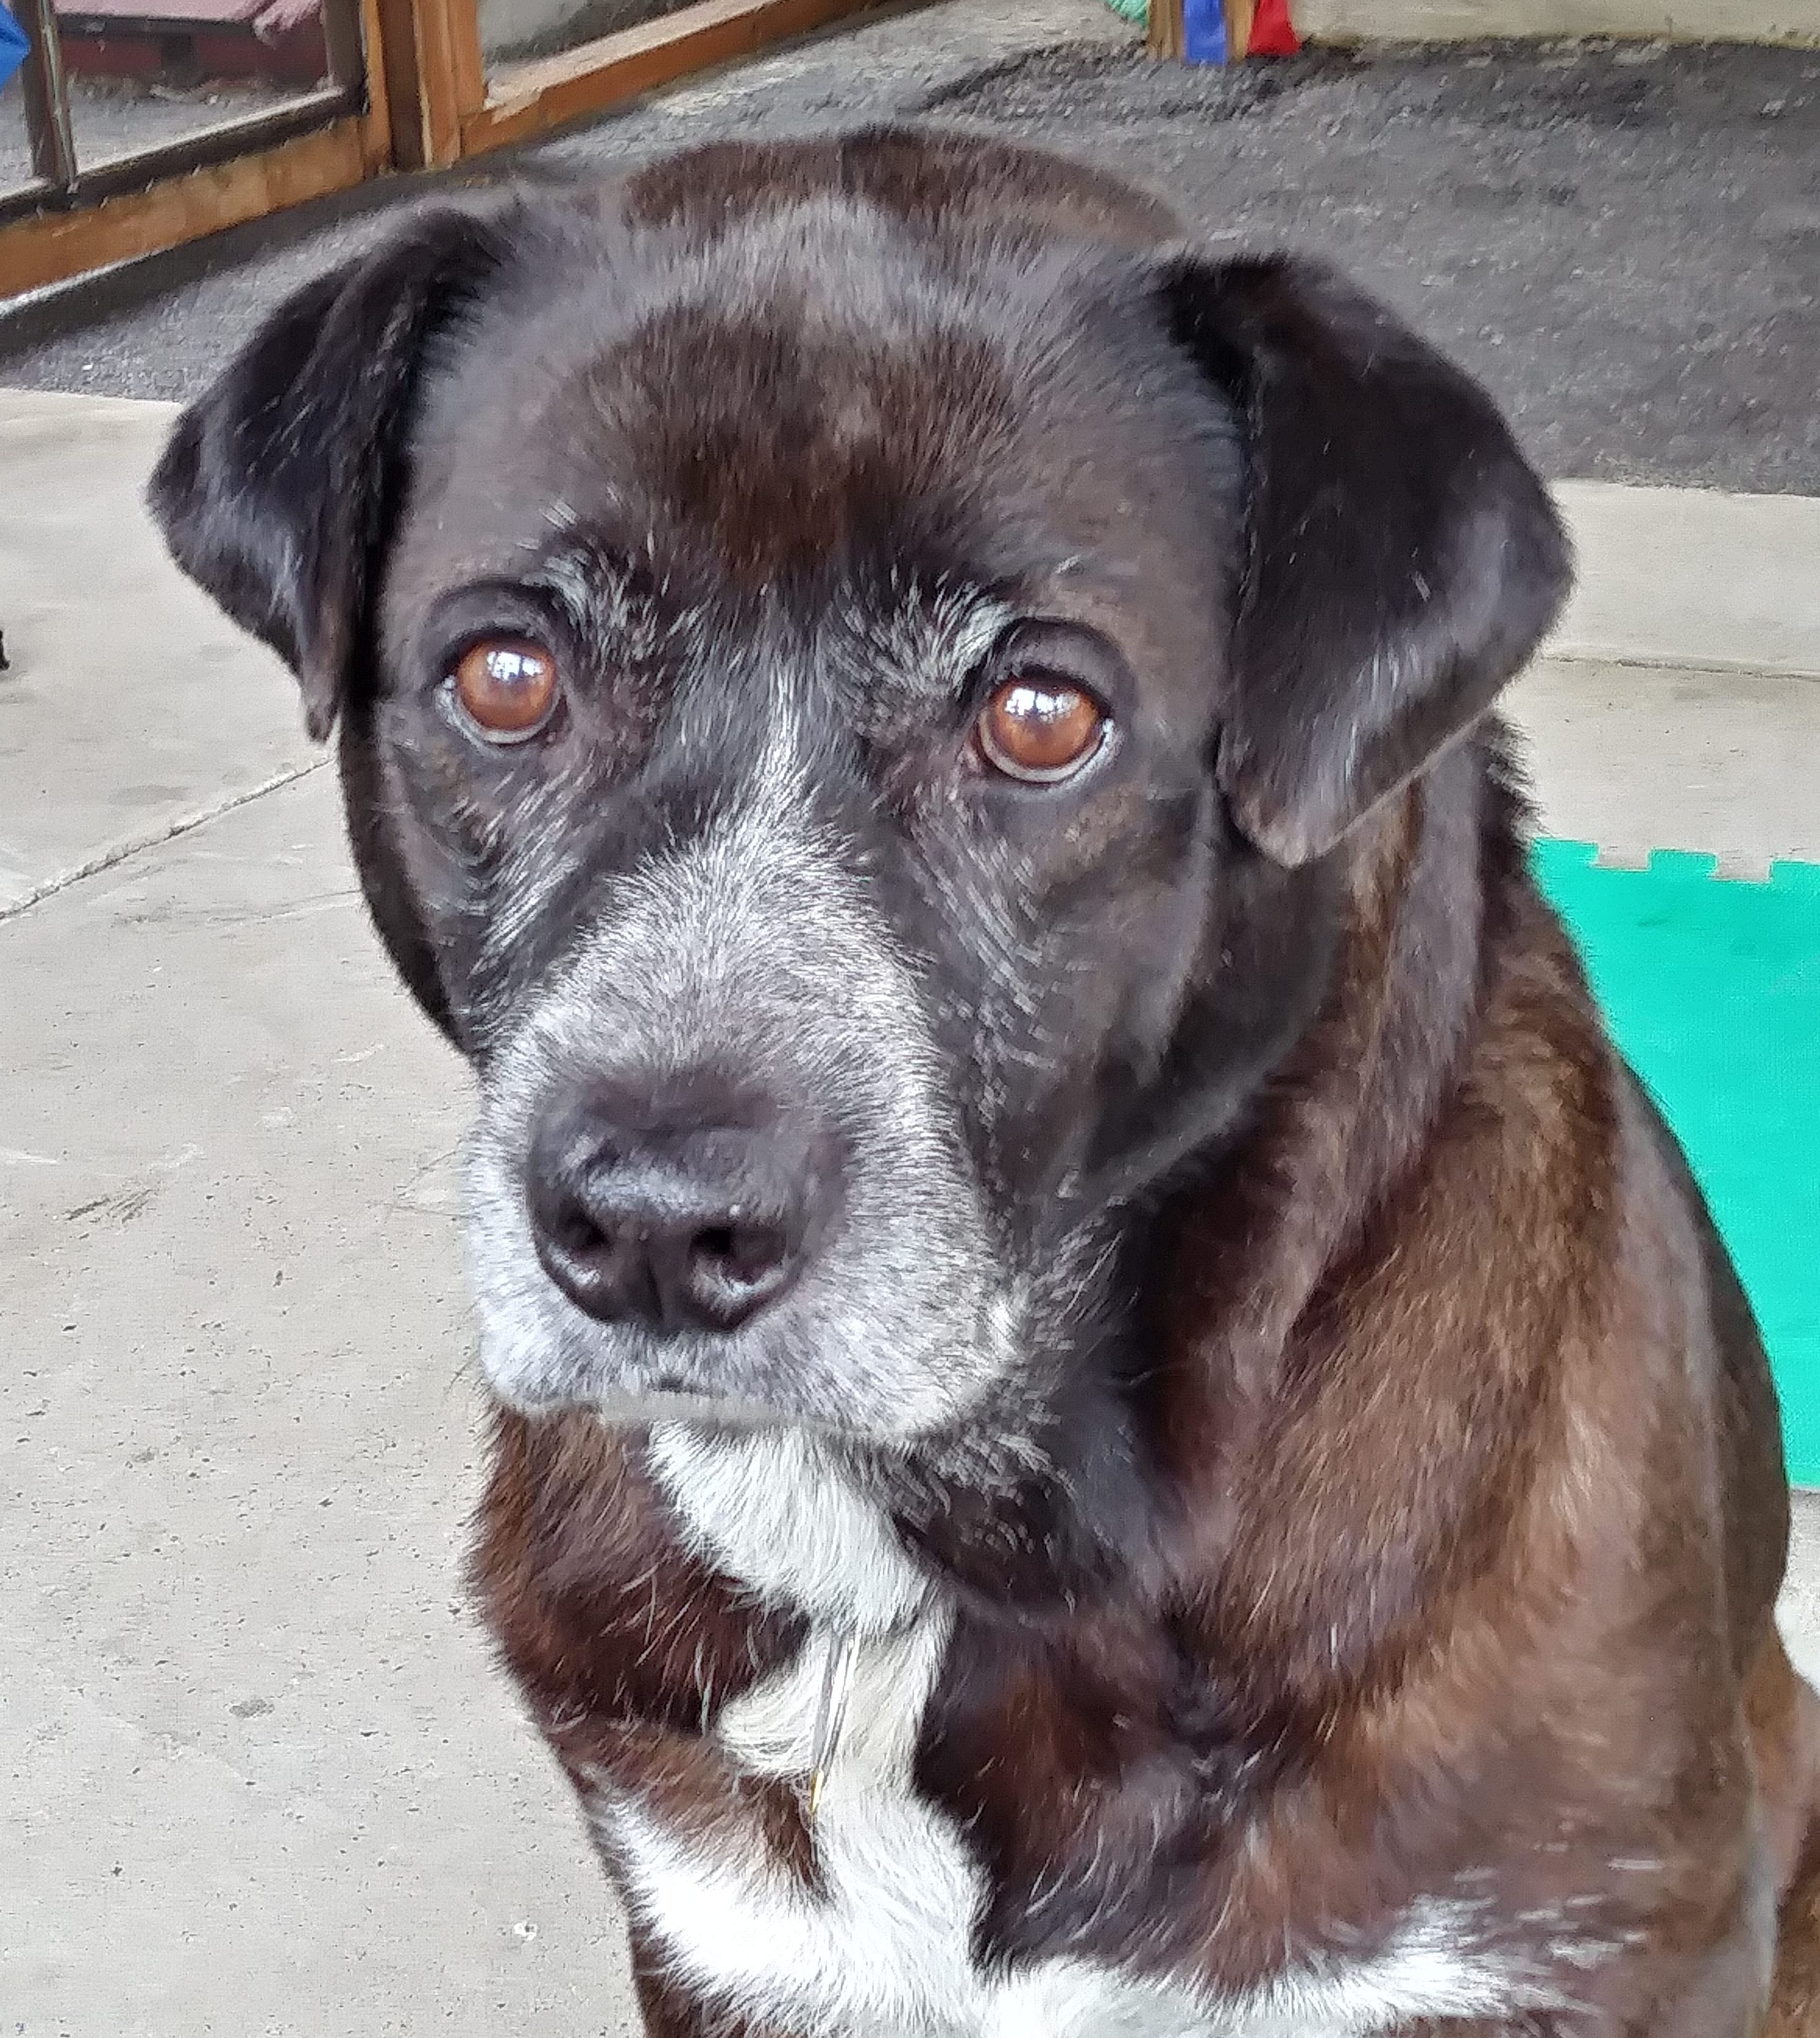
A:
(732, 1265)
(573, 1230)
(696, 1228)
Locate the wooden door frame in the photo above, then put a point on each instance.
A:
(142, 206)
(429, 103)
(454, 110)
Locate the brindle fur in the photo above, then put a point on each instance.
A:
(1437, 1539)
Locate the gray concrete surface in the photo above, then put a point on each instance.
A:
(510, 29)
(1433, 20)
(164, 680)
(1640, 757)
(257, 1777)
(1619, 239)
(1676, 706)
(1624, 240)
(1693, 576)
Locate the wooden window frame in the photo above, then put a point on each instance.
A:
(76, 218)
(429, 103)
(461, 111)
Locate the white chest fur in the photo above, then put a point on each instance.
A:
(882, 1948)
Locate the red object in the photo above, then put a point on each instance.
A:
(1272, 33)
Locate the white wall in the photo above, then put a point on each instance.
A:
(1722, 20)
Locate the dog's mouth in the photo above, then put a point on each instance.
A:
(848, 1355)
(667, 1399)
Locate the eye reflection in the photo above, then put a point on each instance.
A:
(1040, 728)
(507, 687)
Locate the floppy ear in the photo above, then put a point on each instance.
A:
(275, 490)
(1402, 561)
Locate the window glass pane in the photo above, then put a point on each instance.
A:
(15, 142)
(513, 29)
(145, 73)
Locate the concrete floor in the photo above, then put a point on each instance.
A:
(257, 1777)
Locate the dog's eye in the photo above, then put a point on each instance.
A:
(1040, 728)
(506, 687)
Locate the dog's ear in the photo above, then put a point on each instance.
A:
(275, 490)
(1402, 559)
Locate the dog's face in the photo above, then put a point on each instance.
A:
(853, 719)
(862, 847)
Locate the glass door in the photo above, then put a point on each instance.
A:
(130, 126)
(170, 113)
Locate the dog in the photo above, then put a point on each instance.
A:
(1114, 1416)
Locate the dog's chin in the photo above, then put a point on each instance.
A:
(635, 1407)
(539, 1377)
(634, 1404)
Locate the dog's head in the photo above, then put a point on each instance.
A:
(859, 669)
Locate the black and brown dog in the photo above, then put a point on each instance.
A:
(1116, 1417)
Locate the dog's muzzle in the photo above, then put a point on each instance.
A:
(719, 1157)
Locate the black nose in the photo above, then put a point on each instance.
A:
(643, 1213)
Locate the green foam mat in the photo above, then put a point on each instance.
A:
(1711, 987)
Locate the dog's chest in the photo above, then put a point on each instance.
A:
(884, 1944)
(879, 1942)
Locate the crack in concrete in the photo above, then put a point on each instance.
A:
(182, 824)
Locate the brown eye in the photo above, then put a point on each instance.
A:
(1041, 730)
(506, 687)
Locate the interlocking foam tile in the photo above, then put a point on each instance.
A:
(1712, 986)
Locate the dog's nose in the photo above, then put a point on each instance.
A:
(677, 1226)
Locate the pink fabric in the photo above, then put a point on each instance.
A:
(282, 16)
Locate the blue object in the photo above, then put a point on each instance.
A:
(1203, 32)
(13, 47)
